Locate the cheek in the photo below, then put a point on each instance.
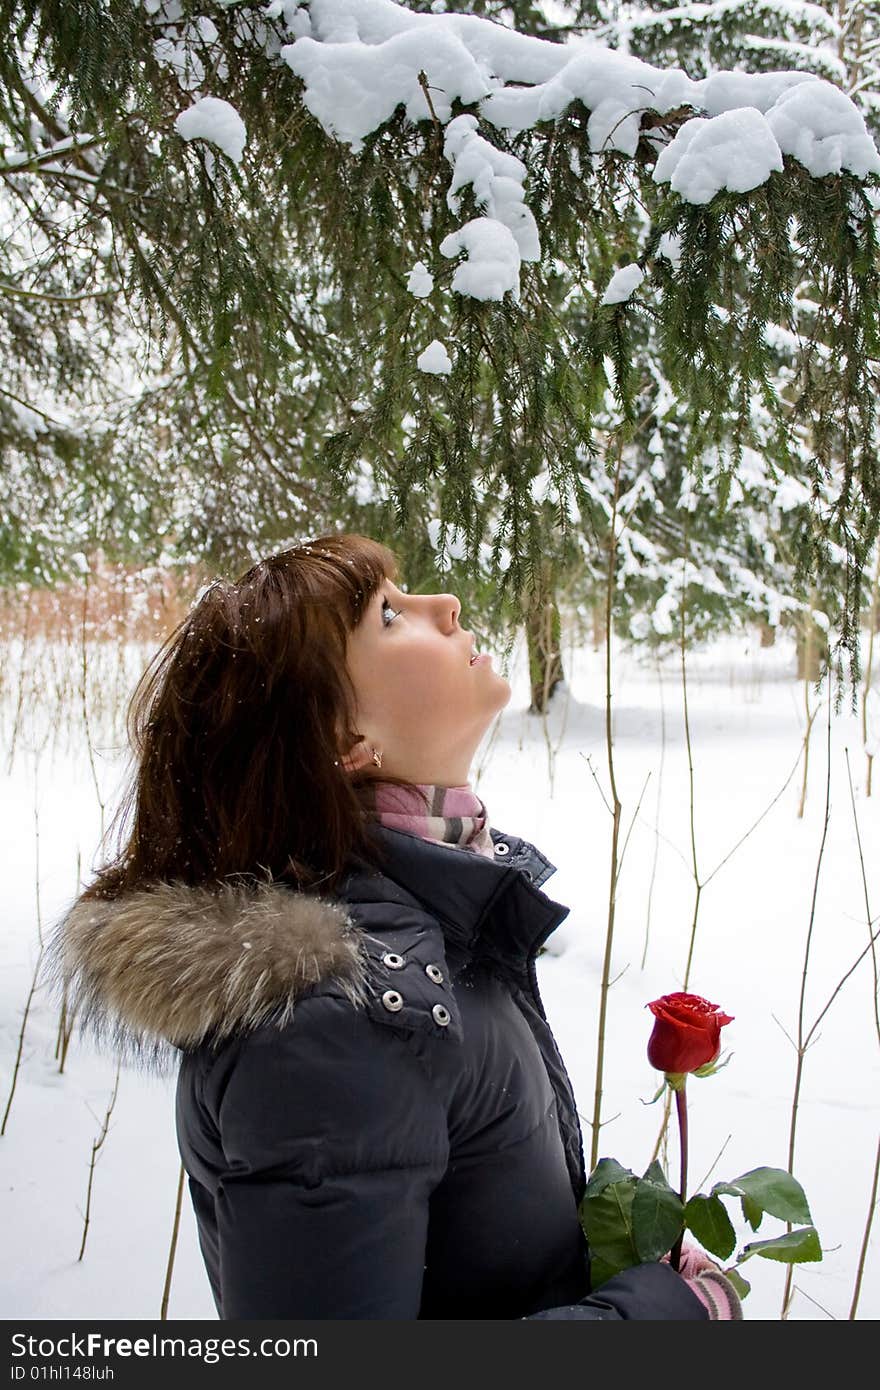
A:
(431, 684)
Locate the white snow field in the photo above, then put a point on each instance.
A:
(746, 718)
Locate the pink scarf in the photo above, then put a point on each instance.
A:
(453, 815)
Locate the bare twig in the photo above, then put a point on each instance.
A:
(65, 1023)
(687, 738)
(36, 973)
(766, 811)
(869, 664)
(616, 813)
(866, 1237)
(16, 723)
(801, 1034)
(96, 1146)
(172, 1249)
(815, 1302)
(657, 814)
(632, 822)
(713, 1165)
(84, 699)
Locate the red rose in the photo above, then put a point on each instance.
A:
(687, 1033)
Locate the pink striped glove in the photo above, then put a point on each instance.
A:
(711, 1287)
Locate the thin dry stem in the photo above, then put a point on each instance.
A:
(172, 1249)
(657, 815)
(85, 704)
(96, 1146)
(866, 1236)
(801, 1037)
(869, 664)
(16, 723)
(615, 834)
(36, 974)
(65, 1023)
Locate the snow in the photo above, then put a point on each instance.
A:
(364, 58)
(217, 121)
(819, 126)
(622, 284)
(735, 151)
(496, 179)
(420, 281)
(669, 246)
(778, 10)
(353, 88)
(435, 360)
(493, 259)
(746, 724)
(361, 61)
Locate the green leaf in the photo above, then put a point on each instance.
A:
(708, 1220)
(600, 1271)
(753, 1212)
(741, 1285)
(773, 1190)
(658, 1218)
(795, 1247)
(608, 1224)
(606, 1171)
(654, 1173)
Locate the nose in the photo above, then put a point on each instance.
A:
(448, 608)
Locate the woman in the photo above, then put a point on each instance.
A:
(311, 914)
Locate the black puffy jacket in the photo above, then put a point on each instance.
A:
(371, 1107)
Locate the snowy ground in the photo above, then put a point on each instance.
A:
(746, 717)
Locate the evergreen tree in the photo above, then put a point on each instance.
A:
(368, 233)
(774, 514)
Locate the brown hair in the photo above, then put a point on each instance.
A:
(237, 725)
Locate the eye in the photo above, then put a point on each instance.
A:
(386, 608)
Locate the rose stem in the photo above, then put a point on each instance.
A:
(681, 1109)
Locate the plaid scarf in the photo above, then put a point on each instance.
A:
(453, 815)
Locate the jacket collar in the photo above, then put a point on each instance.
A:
(170, 965)
(486, 907)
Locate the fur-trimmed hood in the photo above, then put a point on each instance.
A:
(172, 966)
(168, 966)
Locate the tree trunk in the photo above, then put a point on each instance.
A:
(768, 634)
(543, 634)
(812, 649)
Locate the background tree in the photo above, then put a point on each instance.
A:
(274, 266)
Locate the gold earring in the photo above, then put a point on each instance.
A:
(377, 758)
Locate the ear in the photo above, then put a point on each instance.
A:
(359, 756)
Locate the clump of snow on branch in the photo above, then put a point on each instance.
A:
(735, 150)
(360, 60)
(822, 129)
(622, 284)
(420, 281)
(364, 58)
(493, 259)
(496, 179)
(435, 360)
(670, 247)
(217, 121)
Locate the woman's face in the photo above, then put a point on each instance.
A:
(420, 701)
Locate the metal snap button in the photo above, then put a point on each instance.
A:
(441, 1015)
(502, 847)
(435, 974)
(392, 1000)
(393, 960)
